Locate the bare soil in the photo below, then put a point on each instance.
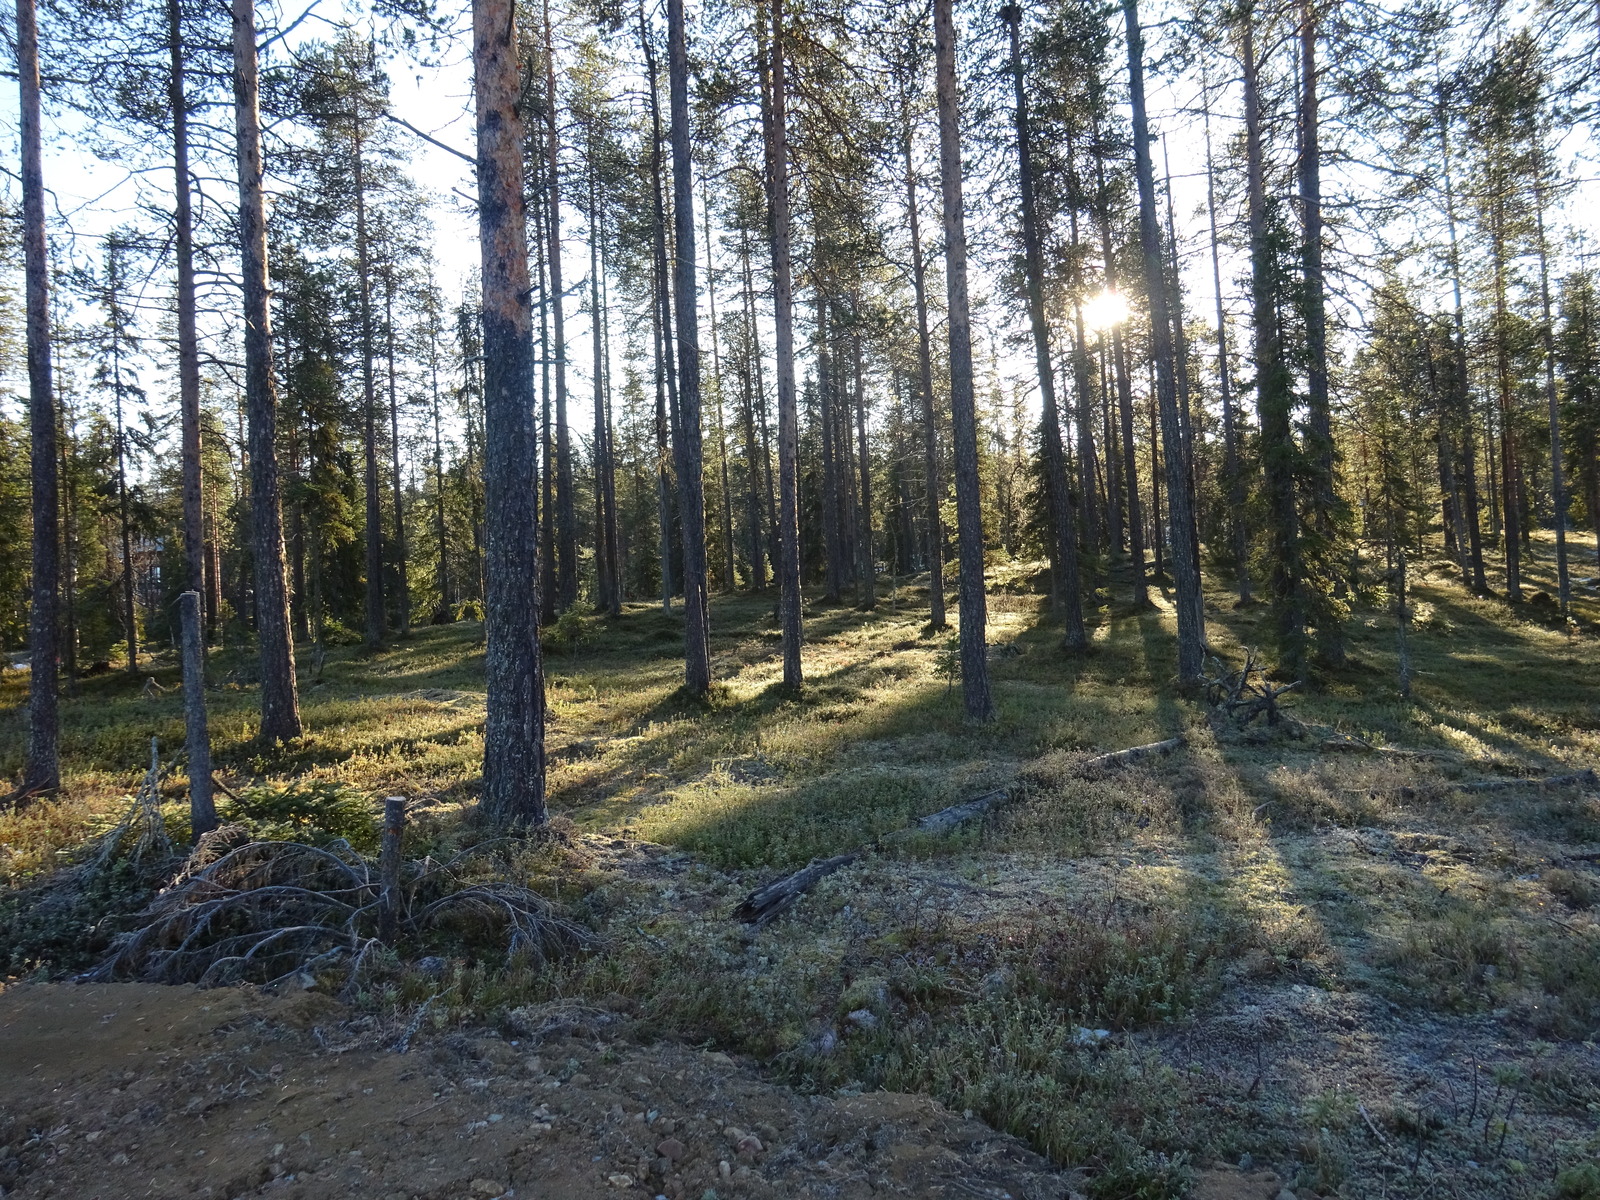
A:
(133, 1090)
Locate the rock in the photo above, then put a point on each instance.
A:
(620, 1180)
(488, 1187)
(863, 1018)
(671, 1148)
(1084, 1036)
(748, 1144)
(719, 1059)
(432, 965)
(1285, 1194)
(725, 1169)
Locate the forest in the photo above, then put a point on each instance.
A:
(800, 598)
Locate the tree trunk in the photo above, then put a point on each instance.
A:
(866, 570)
(666, 375)
(930, 426)
(1319, 424)
(566, 515)
(369, 408)
(1063, 521)
(608, 592)
(130, 613)
(1083, 386)
(188, 337)
(402, 581)
(197, 739)
(1232, 467)
(963, 406)
(1180, 501)
(43, 769)
(514, 757)
(777, 163)
(445, 610)
(1274, 399)
(280, 701)
(1558, 485)
(691, 483)
(832, 535)
(1129, 462)
(749, 388)
(1510, 467)
(729, 579)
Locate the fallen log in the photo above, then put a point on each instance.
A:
(947, 819)
(774, 899)
(1121, 758)
(1586, 778)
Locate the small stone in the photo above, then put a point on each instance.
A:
(671, 1148)
(863, 1018)
(720, 1059)
(733, 1133)
(1286, 1194)
(725, 1169)
(119, 1160)
(620, 1180)
(748, 1144)
(488, 1187)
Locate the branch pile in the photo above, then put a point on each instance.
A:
(265, 912)
(1245, 694)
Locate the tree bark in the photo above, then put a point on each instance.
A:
(197, 739)
(1273, 392)
(963, 407)
(1180, 501)
(1232, 466)
(1063, 521)
(1119, 359)
(280, 701)
(376, 618)
(687, 439)
(514, 754)
(666, 375)
(1462, 414)
(566, 516)
(402, 580)
(188, 337)
(1558, 485)
(777, 163)
(930, 426)
(43, 768)
(867, 565)
(1319, 423)
(608, 589)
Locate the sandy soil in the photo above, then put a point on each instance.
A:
(131, 1090)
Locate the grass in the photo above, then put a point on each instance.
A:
(1158, 904)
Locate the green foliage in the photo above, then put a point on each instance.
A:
(1581, 1182)
(313, 812)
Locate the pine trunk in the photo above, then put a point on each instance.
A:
(43, 769)
(689, 455)
(930, 426)
(1063, 521)
(280, 702)
(514, 755)
(1180, 501)
(963, 406)
(777, 170)
(566, 515)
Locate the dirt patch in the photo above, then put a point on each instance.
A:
(134, 1090)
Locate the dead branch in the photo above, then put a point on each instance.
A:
(1587, 778)
(1121, 758)
(947, 819)
(776, 898)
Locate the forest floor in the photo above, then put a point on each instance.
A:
(1254, 964)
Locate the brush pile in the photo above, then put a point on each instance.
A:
(268, 912)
